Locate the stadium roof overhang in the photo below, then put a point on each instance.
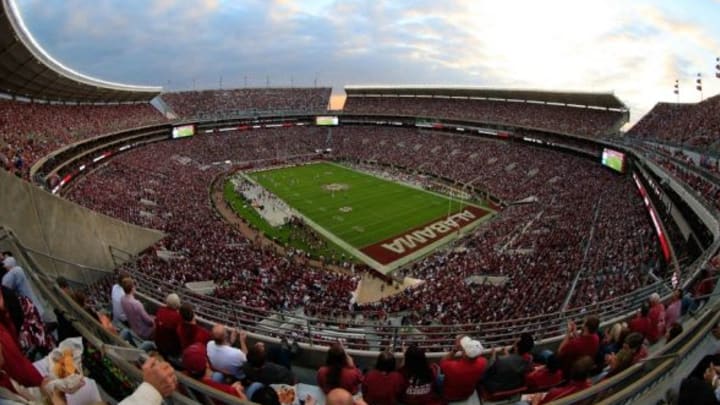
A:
(599, 100)
(27, 70)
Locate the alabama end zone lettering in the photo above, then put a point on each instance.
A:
(399, 246)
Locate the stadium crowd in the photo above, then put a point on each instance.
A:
(32, 130)
(694, 125)
(543, 239)
(563, 119)
(188, 104)
(223, 358)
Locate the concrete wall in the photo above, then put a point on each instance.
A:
(53, 227)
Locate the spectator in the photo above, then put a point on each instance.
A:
(463, 368)
(546, 376)
(641, 323)
(575, 346)
(223, 357)
(383, 385)
(339, 371)
(167, 320)
(13, 308)
(195, 363)
(508, 371)
(159, 381)
(579, 380)
(341, 396)
(420, 380)
(189, 331)
(657, 318)
(259, 369)
(612, 341)
(141, 323)
(631, 352)
(117, 293)
(16, 280)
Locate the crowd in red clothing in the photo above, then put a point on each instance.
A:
(540, 243)
(687, 124)
(568, 120)
(30, 131)
(701, 175)
(205, 103)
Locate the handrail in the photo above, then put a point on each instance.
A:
(91, 329)
(436, 338)
(669, 357)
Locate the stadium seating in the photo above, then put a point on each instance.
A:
(32, 130)
(543, 241)
(695, 125)
(568, 120)
(189, 104)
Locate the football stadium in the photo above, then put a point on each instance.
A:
(416, 244)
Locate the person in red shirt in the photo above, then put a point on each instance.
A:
(641, 323)
(657, 318)
(575, 346)
(463, 368)
(188, 331)
(420, 379)
(195, 363)
(14, 365)
(545, 377)
(339, 371)
(167, 320)
(579, 380)
(383, 385)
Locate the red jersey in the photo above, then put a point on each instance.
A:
(190, 333)
(541, 379)
(640, 324)
(350, 379)
(167, 321)
(461, 377)
(381, 388)
(577, 347)
(657, 322)
(420, 392)
(16, 365)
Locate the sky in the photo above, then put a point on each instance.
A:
(636, 49)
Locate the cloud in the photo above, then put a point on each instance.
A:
(636, 49)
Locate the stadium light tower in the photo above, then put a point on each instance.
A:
(677, 90)
(698, 85)
(717, 67)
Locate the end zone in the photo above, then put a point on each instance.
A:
(416, 240)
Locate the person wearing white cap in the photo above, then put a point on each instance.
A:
(16, 280)
(463, 368)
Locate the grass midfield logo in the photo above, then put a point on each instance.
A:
(332, 187)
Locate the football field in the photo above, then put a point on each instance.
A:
(365, 214)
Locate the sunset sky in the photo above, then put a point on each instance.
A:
(636, 49)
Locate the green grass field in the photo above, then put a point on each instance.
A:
(379, 209)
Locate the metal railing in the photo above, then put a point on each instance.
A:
(190, 391)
